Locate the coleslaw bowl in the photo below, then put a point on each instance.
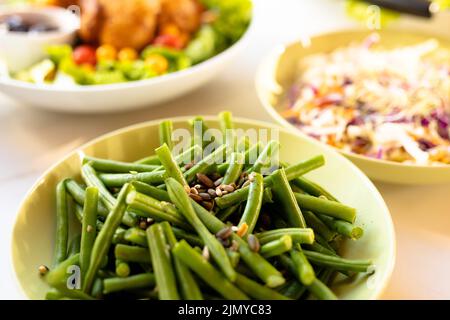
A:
(279, 70)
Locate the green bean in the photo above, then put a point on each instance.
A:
(298, 235)
(265, 158)
(74, 246)
(53, 294)
(234, 170)
(188, 286)
(260, 266)
(150, 160)
(254, 203)
(317, 247)
(90, 177)
(276, 247)
(320, 240)
(234, 257)
(337, 263)
(143, 280)
(171, 167)
(106, 165)
(285, 197)
(291, 173)
(318, 226)
(132, 253)
(62, 224)
(97, 288)
(136, 236)
(227, 128)
(104, 238)
(313, 188)
(182, 202)
(165, 133)
(326, 207)
(151, 191)
(251, 155)
(191, 154)
(162, 263)
(79, 195)
(122, 268)
(202, 165)
(342, 227)
(294, 290)
(157, 210)
(119, 179)
(303, 269)
(192, 239)
(223, 215)
(199, 128)
(256, 290)
(202, 268)
(321, 291)
(89, 229)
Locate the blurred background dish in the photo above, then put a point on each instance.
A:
(320, 87)
(26, 32)
(156, 50)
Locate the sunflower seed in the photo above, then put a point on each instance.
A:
(188, 166)
(205, 180)
(195, 197)
(218, 182)
(224, 233)
(212, 193)
(205, 196)
(246, 183)
(194, 190)
(253, 243)
(218, 192)
(227, 188)
(205, 253)
(208, 205)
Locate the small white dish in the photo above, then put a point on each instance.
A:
(20, 50)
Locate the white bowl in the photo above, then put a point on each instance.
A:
(121, 96)
(20, 50)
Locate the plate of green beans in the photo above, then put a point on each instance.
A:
(131, 215)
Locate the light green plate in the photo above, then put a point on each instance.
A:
(279, 70)
(33, 235)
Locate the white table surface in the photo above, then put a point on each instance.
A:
(31, 140)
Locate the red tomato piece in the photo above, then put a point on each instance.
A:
(169, 40)
(84, 55)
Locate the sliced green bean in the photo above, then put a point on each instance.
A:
(298, 235)
(119, 179)
(265, 158)
(143, 280)
(62, 224)
(318, 226)
(254, 203)
(74, 246)
(162, 263)
(106, 165)
(89, 229)
(292, 172)
(256, 290)
(170, 165)
(79, 195)
(150, 160)
(191, 154)
(294, 290)
(192, 239)
(136, 236)
(122, 268)
(165, 133)
(234, 170)
(321, 291)
(234, 257)
(104, 238)
(313, 188)
(260, 266)
(304, 270)
(157, 210)
(286, 198)
(202, 268)
(151, 191)
(132, 253)
(182, 202)
(90, 177)
(276, 247)
(342, 227)
(188, 286)
(202, 165)
(337, 263)
(330, 208)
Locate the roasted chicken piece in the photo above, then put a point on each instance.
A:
(130, 23)
(185, 14)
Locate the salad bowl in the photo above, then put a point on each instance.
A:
(279, 70)
(30, 248)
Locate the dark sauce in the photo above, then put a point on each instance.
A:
(24, 24)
